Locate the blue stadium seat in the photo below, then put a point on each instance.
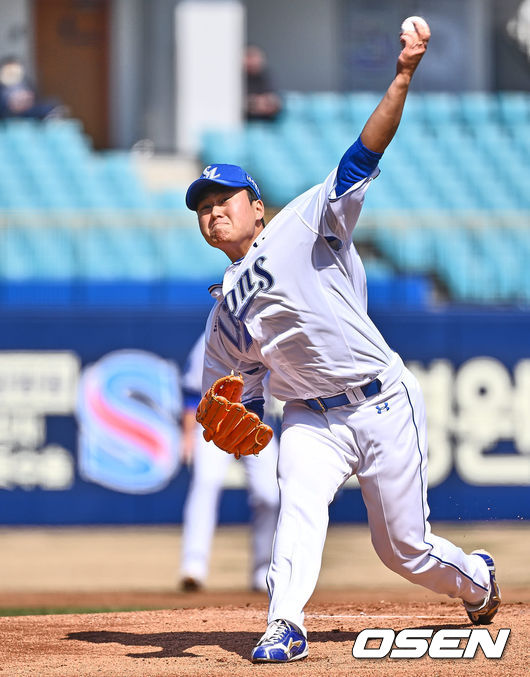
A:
(15, 258)
(477, 107)
(185, 255)
(294, 106)
(325, 108)
(457, 161)
(171, 200)
(56, 169)
(96, 255)
(51, 250)
(358, 107)
(223, 146)
(438, 110)
(514, 108)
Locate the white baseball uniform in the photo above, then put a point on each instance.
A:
(209, 469)
(295, 305)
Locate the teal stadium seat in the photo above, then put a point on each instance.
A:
(514, 108)
(15, 259)
(184, 255)
(438, 111)
(51, 252)
(294, 106)
(170, 200)
(358, 107)
(458, 160)
(96, 255)
(56, 169)
(324, 108)
(476, 108)
(413, 112)
(409, 249)
(226, 147)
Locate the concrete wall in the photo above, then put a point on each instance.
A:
(301, 39)
(16, 31)
(349, 45)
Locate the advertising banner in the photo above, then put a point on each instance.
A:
(90, 404)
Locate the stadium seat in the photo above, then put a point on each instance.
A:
(452, 200)
(455, 154)
(513, 108)
(476, 108)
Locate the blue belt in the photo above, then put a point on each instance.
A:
(325, 403)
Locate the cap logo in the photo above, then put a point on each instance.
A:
(253, 183)
(211, 173)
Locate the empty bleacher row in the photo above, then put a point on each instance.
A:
(51, 166)
(467, 151)
(69, 213)
(452, 204)
(456, 177)
(479, 258)
(111, 247)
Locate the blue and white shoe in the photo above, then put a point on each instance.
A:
(281, 643)
(483, 613)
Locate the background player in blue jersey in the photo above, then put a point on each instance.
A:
(293, 304)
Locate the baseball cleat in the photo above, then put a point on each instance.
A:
(189, 584)
(281, 643)
(483, 614)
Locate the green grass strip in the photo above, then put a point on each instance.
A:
(48, 611)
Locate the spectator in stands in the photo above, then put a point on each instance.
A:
(262, 101)
(18, 97)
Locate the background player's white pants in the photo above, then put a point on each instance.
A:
(201, 508)
(387, 448)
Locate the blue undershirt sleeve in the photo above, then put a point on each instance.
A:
(257, 406)
(191, 398)
(357, 163)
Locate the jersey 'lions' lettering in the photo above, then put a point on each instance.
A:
(238, 300)
(251, 281)
(236, 332)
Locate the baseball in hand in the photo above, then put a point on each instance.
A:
(408, 25)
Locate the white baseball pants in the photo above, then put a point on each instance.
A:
(383, 441)
(202, 502)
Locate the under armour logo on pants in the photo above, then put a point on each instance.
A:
(382, 407)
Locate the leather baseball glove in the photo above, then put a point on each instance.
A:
(228, 423)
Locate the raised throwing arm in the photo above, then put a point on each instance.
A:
(381, 126)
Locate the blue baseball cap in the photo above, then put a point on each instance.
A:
(232, 176)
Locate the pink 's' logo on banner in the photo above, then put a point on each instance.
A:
(128, 408)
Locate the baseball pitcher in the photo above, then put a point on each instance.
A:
(293, 303)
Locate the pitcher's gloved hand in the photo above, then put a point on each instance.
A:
(228, 423)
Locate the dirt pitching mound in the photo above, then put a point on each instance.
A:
(218, 640)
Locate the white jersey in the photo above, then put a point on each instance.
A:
(295, 304)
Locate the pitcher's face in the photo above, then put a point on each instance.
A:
(229, 221)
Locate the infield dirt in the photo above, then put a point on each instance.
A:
(213, 632)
